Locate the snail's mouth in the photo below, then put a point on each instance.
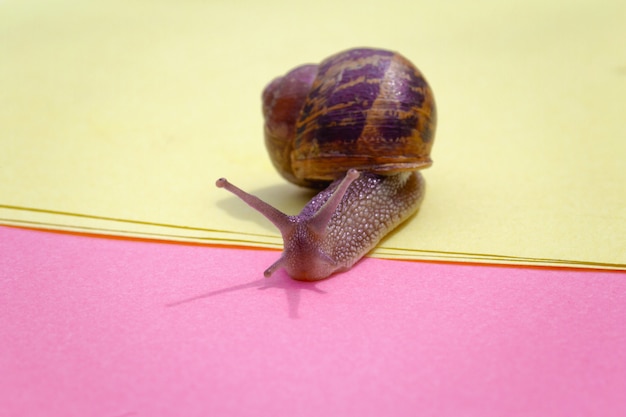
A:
(303, 257)
(303, 269)
(311, 276)
(311, 268)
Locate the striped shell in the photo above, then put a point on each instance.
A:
(368, 109)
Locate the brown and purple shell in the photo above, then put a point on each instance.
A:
(367, 109)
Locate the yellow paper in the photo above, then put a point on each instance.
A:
(118, 117)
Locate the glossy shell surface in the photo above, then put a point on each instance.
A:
(367, 109)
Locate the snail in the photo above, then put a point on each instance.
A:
(361, 124)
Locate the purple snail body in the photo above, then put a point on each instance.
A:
(363, 121)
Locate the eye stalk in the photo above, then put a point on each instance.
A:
(304, 256)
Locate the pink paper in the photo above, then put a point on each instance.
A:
(108, 327)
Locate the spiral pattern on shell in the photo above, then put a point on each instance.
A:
(367, 109)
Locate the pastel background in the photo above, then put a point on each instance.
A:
(124, 290)
(118, 117)
(106, 327)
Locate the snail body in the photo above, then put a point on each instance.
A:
(362, 124)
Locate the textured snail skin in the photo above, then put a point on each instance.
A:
(341, 223)
(363, 121)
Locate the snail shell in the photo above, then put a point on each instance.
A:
(367, 109)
